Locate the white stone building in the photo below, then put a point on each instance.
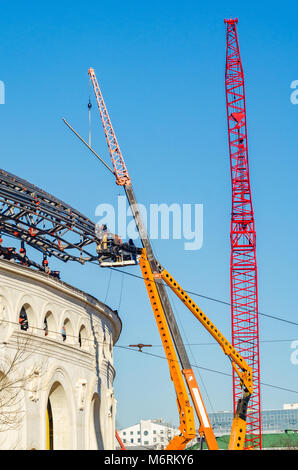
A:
(54, 394)
(148, 433)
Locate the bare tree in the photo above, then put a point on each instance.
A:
(15, 379)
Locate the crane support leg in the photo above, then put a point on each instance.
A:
(187, 423)
(238, 431)
(205, 425)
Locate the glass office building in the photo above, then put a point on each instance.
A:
(272, 420)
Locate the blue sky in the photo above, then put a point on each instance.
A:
(161, 68)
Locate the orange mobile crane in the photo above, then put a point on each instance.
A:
(155, 278)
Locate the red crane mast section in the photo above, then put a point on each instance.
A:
(243, 266)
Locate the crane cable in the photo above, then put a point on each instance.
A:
(89, 112)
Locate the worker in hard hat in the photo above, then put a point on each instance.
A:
(102, 235)
(23, 254)
(63, 332)
(23, 320)
(105, 237)
(45, 265)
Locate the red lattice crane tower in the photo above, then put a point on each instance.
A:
(243, 268)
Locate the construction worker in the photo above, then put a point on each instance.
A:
(104, 237)
(23, 320)
(45, 328)
(63, 332)
(117, 240)
(132, 245)
(45, 265)
(117, 245)
(10, 253)
(55, 274)
(100, 233)
(25, 259)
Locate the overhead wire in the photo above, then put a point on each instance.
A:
(215, 343)
(121, 290)
(201, 296)
(207, 369)
(108, 286)
(143, 352)
(213, 299)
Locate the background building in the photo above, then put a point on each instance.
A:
(153, 434)
(272, 420)
(55, 392)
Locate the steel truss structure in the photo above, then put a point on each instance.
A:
(243, 266)
(45, 222)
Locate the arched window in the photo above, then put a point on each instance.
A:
(50, 435)
(95, 428)
(26, 318)
(58, 419)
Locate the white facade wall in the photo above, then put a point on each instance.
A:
(78, 380)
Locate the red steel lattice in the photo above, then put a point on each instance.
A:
(243, 267)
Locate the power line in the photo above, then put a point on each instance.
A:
(207, 369)
(213, 299)
(158, 356)
(164, 358)
(121, 290)
(215, 343)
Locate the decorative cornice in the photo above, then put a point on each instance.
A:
(58, 285)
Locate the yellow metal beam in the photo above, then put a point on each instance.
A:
(241, 367)
(187, 423)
